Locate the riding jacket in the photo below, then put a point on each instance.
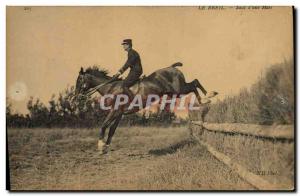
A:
(134, 63)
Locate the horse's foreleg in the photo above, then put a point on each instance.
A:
(101, 138)
(107, 121)
(111, 132)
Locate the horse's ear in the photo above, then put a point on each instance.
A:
(81, 71)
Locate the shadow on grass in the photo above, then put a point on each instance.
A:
(172, 148)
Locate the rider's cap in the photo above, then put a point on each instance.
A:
(127, 41)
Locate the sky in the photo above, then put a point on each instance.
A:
(225, 49)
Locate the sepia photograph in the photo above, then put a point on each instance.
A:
(150, 98)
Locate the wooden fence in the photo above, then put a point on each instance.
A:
(275, 133)
(265, 131)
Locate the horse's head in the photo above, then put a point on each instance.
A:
(90, 78)
(82, 83)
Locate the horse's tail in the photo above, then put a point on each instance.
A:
(178, 64)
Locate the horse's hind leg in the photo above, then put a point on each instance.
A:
(207, 95)
(197, 95)
(191, 87)
(198, 85)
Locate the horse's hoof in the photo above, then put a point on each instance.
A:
(211, 94)
(100, 145)
(105, 149)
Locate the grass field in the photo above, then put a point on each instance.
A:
(141, 158)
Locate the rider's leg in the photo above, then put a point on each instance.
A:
(129, 81)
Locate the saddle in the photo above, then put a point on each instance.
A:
(138, 80)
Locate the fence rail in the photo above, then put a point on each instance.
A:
(274, 131)
(278, 132)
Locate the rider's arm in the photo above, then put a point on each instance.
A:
(130, 61)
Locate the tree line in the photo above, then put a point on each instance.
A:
(64, 111)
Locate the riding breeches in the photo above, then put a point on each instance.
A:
(131, 79)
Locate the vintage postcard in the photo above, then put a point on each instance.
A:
(186, 98)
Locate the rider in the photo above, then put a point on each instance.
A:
(134, 63)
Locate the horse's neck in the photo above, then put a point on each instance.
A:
(96, 81)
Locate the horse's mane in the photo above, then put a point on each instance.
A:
(97, 72)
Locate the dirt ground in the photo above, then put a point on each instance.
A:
(140, 158)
